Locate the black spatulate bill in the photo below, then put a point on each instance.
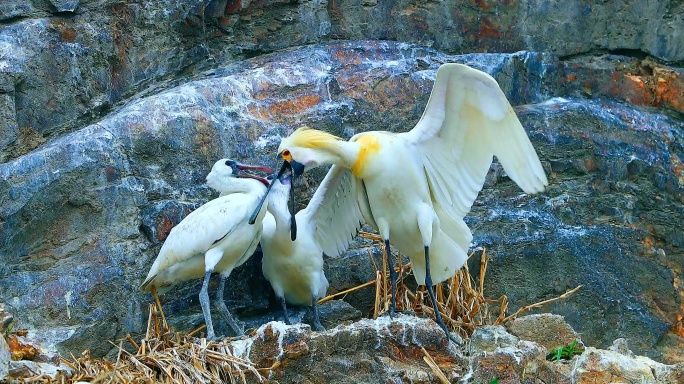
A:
(297, 169)
(293, 220)
(252, 219)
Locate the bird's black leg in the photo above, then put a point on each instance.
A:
(317, 326)
(393, 278)
(223, 309)
(284, 307)
(431, 292)
(206, 310)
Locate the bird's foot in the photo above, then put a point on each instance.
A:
(448, 334)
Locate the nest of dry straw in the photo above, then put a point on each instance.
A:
(461, 299)
(165, 356)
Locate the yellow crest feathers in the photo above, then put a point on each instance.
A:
(306, 137)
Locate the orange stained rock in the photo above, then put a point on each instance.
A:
(669, 90)
(294, 105)
(20, 348)
(488, 29)
(677, 168)
(636, 79)
(678, 326)
(163, 228)
(295, 350)
(286, 107)
(482, 4)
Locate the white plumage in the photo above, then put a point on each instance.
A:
(295, 268)
(416, 187)
(214, 237)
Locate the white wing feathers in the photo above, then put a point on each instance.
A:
(467, 121)
(334, 212)
(203, 227)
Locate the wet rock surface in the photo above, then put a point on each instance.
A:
(84, 214)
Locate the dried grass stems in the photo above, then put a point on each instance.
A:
(165, 356)
(461, 299)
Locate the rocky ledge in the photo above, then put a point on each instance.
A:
(410, 349)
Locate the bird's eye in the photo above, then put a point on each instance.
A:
(230, 163)
(286, 153)
(287, 156)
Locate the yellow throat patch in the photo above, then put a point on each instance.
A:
(369, 147)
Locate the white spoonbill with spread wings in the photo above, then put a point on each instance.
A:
(295, 267)
(416, 187)
(214, 237)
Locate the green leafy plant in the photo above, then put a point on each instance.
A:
(565, 353)
(493, 381)
(9, 328)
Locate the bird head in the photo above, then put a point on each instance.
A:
(308, 148)
(225, 171)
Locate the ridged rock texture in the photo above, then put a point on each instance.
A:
(111, 115)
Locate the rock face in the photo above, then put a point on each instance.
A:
(384, 350)
(404, 349)
(85, 214)
(112, 113)
(65, 63)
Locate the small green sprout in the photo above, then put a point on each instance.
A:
(565, 353)
(493, 381)
(9, 327)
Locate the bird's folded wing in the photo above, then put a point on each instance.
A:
(202, 228)
(467, 121)
(333, 212)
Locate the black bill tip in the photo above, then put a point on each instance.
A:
(293, 228)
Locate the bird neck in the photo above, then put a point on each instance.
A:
(344, 153)
(282, 215)
(242, 185)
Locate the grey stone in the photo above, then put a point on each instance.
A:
(5, 357)
(566, 28)
(548, 330)
(9, 131)
(620, 346)
(489, 338)
(65, 5)
(365, 351)
(27, 368)
(12, 9)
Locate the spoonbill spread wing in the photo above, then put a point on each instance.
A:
(333, 212)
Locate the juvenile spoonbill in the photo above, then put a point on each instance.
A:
(295, 267)
(214, 237)
(416, 187)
